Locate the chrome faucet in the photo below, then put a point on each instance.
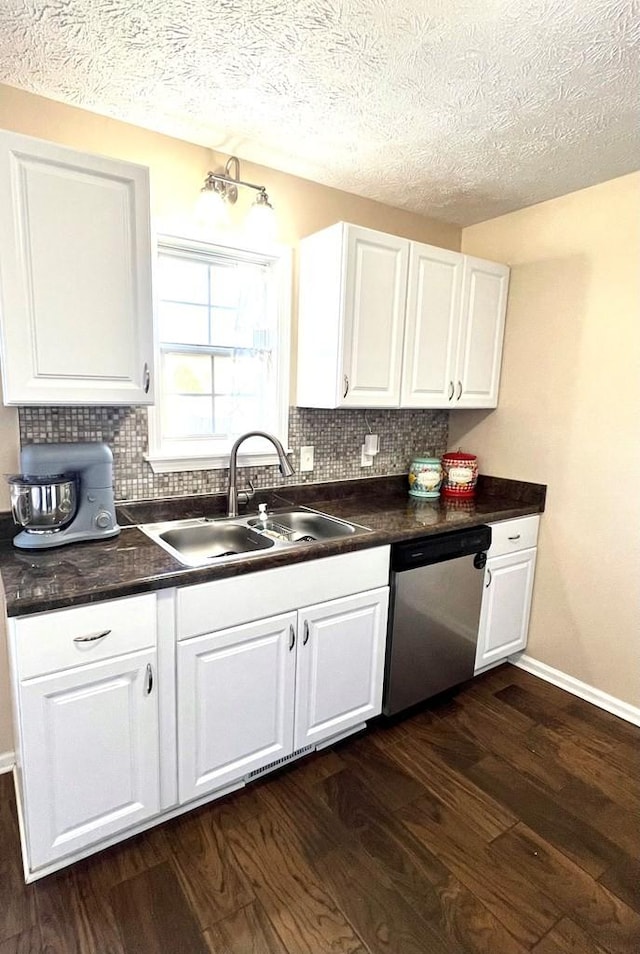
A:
(232, 493)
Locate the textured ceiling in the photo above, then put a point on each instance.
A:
(461, 109)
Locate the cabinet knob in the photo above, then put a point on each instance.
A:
(346, 386)
(146, 378)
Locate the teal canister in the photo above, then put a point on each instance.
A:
(425, 477)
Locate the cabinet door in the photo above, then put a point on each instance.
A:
(484, 304)
(375, 293)
(340, 665)
(75, 251)
(506, 604)
(432, 325)
(90, 754)
(235, 703)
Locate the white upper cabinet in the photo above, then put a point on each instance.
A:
(76, 315)
(385, 322)
(351, 317)
(432, 326)
(484, 304)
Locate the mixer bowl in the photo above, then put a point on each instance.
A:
(43, 504)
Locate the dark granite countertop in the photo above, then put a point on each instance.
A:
(131, 563)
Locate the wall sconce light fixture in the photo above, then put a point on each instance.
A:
(220, 190)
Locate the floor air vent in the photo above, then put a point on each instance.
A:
(278, 762)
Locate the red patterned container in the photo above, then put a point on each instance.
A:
(460, 474)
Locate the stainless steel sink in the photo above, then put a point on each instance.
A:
(202, 541)
(199, 543)
(298, 524)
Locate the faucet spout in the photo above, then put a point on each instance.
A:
(232, 492)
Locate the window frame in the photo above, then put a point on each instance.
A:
(213, 454)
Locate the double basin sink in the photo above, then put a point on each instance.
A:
(204, 541)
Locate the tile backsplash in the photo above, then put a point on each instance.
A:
(336, 435)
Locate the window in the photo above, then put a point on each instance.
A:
(223, 363)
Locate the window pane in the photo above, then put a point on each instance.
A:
(242, 374)
(235, 415)
(225, 285)
(190, 373)
(224, 329)
(187, 416)
(181, 280)
(184, 324)
(223, 375)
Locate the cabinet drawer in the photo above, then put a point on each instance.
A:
(208, 607)
(50, 642)
(511, 535)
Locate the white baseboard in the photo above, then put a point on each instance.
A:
(599, 698)
(7, 761)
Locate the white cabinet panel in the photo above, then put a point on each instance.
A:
(509, 536)
(376, 280)
(432, 326)
(235, 703)
(52, 642)
(353, 284)
(75, 257)
(90, 753)
(340, 665)
(484, 304)
(506, 604)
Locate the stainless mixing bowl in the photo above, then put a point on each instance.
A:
(43, 504)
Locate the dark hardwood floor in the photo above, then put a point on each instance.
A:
(501, 819)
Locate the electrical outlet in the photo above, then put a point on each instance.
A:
(306, 458)
(366, 460)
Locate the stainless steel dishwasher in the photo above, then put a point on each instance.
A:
(436, 593)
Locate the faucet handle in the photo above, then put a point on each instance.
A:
(244, 496)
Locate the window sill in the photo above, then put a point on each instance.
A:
(173, 464)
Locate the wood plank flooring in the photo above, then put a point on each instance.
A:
(499, 819)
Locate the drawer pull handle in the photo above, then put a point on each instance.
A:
(306, 633)
(516, 536)
(292, 637)
(148, 681)
(489, 578)
(92, 637)
(459, 390)
(452, 389)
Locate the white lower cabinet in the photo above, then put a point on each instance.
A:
(508, 588)
(235, 699)
(340, 665)
(253, 694)
(90, 754)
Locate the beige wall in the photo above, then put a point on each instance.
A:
(177, 173)
(569, 417)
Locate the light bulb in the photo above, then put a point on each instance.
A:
(261, 220)
(211, 209)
